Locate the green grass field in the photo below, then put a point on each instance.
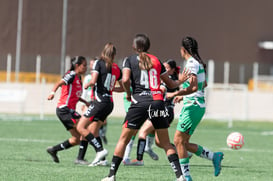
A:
(23, 155)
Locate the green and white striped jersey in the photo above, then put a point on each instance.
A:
(199, 96)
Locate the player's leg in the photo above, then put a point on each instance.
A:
(102, 132)
(145, 129)
(100, 151)
(124, 139)
(69, 120)
(90, 137)
(180, 141)
(164, 141)
(82, 151)
(215, 157)
(126, 158)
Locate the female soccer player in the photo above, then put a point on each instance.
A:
(71, 93)
(193, 109)
(143, 71)
(147, 130)
(104, 75)
(88, 94)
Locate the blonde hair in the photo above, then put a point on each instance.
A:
(145, 62)
(108, 54)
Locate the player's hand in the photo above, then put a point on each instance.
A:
(128, 97)
(178, 99)
(185, 75)
(86, 86)
(50, 97)
(170, 95)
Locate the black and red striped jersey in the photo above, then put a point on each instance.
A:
(71, 91)
(106, 80)
(145, 84)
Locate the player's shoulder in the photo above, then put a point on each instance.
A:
(192, 60)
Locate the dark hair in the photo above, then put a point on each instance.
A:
(172, 64)
(76, 60)
(141, 44)
(108, 54)
(191, 45)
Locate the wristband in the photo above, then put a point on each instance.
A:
(52, 93)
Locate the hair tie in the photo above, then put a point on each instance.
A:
(74, 62)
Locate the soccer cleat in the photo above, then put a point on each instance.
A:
(136, 162)
(188, 178)
(53, 154)
(217, 159)
(100, 163)
(126, 161)
(112, 178)
(99, 156)
(103, 163)
(152, 154)
(81, 162)
(181, 178)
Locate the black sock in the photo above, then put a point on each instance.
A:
(114, 165)
(99, 140)
(174, 161)
(82, 149)
(140, 148)
(94, 142)
(62, 146)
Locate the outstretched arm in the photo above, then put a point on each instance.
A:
(55, 88)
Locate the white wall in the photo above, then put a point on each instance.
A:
(221, 104)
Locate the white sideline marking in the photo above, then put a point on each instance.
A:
(267, 133)
(247, 150)
(37, 140)
(26, 140)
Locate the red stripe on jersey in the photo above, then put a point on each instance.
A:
(154, 78)
(91, 118)
(126, 124)
(74, 121)
(71, 93)
(116, 75)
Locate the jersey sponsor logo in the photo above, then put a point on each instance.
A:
(153, 113)
(183, 125)
(79, 93)
(145, 93)
(131, 124)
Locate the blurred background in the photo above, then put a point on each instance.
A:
(38, 38)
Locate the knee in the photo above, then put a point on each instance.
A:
(79, 128)
(179, 142)
(74, 140)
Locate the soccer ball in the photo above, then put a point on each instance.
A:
(235, 140)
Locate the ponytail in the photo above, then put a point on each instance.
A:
(145, 62)
(108, 54)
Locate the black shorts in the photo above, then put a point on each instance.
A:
(155, 111)
(99, 110)
(68, 117)
(171, 113)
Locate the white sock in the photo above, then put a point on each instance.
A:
(128, 150)
(149, 142)
(206, 153)
(185, 167)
